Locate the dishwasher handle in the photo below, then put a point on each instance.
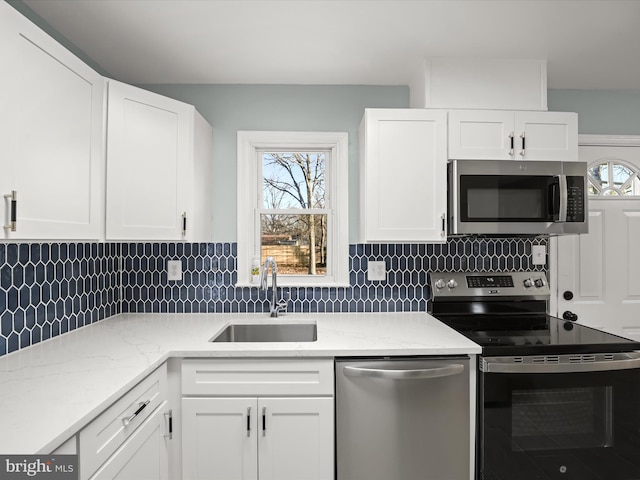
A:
(410, 374)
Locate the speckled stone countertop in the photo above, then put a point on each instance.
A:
(51, 390)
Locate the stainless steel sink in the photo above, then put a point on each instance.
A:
(269, 332)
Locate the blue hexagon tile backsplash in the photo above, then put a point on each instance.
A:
(48, 289)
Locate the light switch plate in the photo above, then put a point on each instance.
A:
(539, 254)
(376, 270)
(174, 270)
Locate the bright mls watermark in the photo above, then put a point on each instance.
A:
(46, 467)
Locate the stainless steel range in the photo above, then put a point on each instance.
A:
(556, 399)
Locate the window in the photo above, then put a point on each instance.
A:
(293, 206)
(612, 177)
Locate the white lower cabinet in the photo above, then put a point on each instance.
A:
(130, 440)
(144, 455)
(276, 434)
(257, 438)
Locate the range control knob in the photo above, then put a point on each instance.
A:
(452, 283)
(539, 282)
(528, 283)
(440, 284)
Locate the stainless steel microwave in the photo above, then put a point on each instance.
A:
(509, 197)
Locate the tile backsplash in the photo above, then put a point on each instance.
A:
(48, 289)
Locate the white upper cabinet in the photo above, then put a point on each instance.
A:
(480, 83)
(52, 150)
(547, 136)
(158, 168)
(403, 175)
(504, 135)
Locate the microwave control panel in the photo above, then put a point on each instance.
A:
(575, 200)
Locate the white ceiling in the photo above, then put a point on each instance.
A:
(588, 44)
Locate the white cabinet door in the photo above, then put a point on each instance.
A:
(51, 116)
(403, 182)
(144, 456)
(546, 136)
(296, 442)
(505, 135)
(149, 139)
(251, 438)
(219, 438)
(481, 134)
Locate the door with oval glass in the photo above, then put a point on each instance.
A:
(598, 274)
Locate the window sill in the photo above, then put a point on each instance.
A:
(284, 283)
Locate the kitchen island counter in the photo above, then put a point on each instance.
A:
(53, 389)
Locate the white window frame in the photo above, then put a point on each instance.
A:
(249, 186)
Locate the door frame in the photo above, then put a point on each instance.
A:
(584, 140)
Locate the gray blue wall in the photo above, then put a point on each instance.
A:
(599, 111)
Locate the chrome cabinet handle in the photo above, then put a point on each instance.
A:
(511, 135)
(13, 220)
(264, 421)
(418, 374)
(248, 421)
(141, 406)
(522, 152)
(184, 224)
(169, 417)
(443, 217)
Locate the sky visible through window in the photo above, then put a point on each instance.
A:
(286, 176)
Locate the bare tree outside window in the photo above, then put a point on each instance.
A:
(293, 222)
(612, 178)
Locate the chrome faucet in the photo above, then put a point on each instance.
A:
(276, 305)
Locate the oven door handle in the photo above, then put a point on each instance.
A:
(624, 361)
(412, 374)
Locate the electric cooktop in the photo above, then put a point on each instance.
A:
(505, 313)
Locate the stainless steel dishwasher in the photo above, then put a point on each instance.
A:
(403, 419)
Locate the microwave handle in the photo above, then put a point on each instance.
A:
(564, 198)
(558, 197)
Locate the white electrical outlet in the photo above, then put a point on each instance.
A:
(174, 270)
(539, 254)
(376, 271)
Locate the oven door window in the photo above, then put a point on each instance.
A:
(583, 426)
(515, 198)
(562, 418)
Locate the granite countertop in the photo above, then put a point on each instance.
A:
(51, 390)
